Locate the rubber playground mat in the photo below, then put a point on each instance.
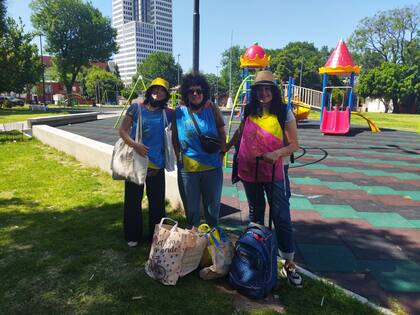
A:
(355, 207)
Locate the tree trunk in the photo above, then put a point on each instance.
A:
(397, 109)
(386, 104)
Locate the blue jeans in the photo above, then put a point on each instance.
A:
(279, 193)
(206, 185)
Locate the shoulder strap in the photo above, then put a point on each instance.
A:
(139, 130)
(194, 122)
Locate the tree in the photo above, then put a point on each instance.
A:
(19, 62)
(99, 82)
(76, 34)
(158, 64)
(2, 17)
(236, 68)
(388, 36)
(396, 82)
(216, 88)
(295, 56)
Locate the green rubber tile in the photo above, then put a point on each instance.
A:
(367, 172)
(413, 195)
(227, 170)
(242, 195)
(415, 223)
(381, 190)
(229, 191)
(300, 204)
(372, 190)
(328, 258)
(337, 211)
(386, 220)
(341, 185)
(396, 276)
(373, 160)
(306, 181)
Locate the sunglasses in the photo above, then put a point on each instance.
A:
(192, 91)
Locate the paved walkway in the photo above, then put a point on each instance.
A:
(356, 208)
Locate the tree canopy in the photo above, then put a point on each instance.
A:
(388, 36)
(390, 81)
(2, 17)
(19, 62)
(236, 70)
(288, 62)
(158, 64)
(76, 34)
(102, 84)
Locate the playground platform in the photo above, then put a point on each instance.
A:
(355, 207)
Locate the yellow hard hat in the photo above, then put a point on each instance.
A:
(160, 82)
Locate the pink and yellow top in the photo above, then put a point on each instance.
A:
(340, 61)
(254, 57)
(261, 134)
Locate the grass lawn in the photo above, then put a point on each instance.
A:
(8, 115)
(409, 122)
(62, 249)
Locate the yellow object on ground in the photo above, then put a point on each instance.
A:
(372, 125)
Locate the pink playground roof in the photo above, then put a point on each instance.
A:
(340, 61)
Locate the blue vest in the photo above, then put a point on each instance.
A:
(194, 157)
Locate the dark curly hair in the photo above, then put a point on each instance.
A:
(148, 97)
(190, 80)
(277, 105)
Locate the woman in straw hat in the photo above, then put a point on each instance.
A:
(267, 136)
(153, 110)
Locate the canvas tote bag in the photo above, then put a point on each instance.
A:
(169, 149)
(195, 244)
(165, 258)
(126, 163)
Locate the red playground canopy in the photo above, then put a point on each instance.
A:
(340, 61)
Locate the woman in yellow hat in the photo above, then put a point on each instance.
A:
(155, 116)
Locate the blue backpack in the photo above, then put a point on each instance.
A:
(253, 271)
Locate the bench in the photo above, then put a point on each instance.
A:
(63, 119)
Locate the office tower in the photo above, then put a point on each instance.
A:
(143, 27)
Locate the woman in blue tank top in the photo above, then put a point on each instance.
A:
(200, 175)
(152, 123)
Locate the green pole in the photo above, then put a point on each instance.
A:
(140, 78)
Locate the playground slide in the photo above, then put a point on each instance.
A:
(372, 125)
(335, 121)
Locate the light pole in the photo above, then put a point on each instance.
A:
(196, 36)
(43, 68)
(216, 100)
(178, 69)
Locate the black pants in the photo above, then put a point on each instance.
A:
(133, 195)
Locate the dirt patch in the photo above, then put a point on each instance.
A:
(244, 304)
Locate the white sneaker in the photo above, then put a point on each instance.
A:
(132, 244)
(292, 276)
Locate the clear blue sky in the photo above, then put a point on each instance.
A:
(272, 24)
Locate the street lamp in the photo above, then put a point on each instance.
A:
(43, 68)
(178, 69)
(216, 101)
(196, 36)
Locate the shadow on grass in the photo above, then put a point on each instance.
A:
(76, 261)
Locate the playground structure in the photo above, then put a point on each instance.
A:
(254, 59)
(335, 118)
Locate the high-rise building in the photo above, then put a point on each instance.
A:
(143, 27)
